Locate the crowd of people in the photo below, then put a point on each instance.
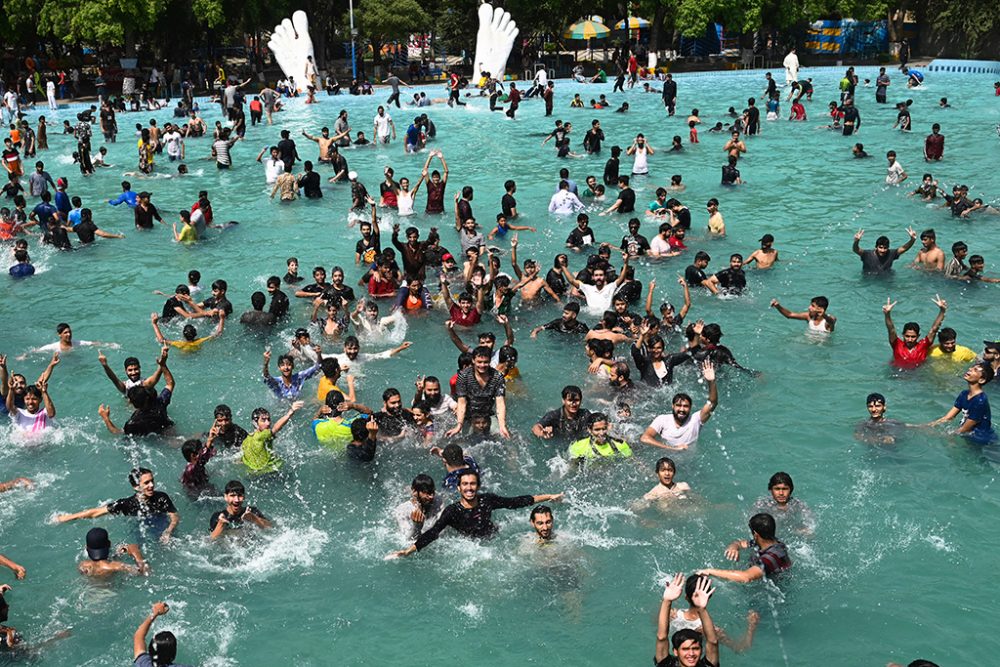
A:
(633, 344)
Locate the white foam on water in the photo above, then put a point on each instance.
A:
(262, 555)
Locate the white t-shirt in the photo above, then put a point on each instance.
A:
(598, 300)
(199, 222)
(686, 434)
(894, 173)
(409, 530)
(272, 169)
(173, 141)
(382, 125)
(659, 246)
(565, 202)
(10, 99)
(26, 421)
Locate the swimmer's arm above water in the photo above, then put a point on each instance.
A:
(85, 514)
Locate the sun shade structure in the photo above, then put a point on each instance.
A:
(586, 30)
(632, 23)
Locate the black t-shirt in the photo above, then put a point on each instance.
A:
(627, 198)
(310, 185)
(158, 503)
(368, 249)
(683, 218)
(508, 204)
(232, 436)
(169, 308)
(635, 245)
(464, 210)
(611, 172)
(144, 217)
(578, 238)
(345, 293)
(593, 140)
(753, 116)
(362, 451)
(671, 661)
(286, 147)
(279, 304)
(732, 280)
(873, 264)
(850, 114)
(669, 90)
(560, 325)
(475, 522)
(631, 291)
(222, 303)
(85, 231)
(565, 427)
(152, 419)
(393, 425)
(57, 236)
(694, 276)
(292, 280)
(557, 281)
(730, 175)
(12, 188)
(235, 520)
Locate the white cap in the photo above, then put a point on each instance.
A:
(353, 175)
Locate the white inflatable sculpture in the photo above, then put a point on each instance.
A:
(494, 41)
(291, 44)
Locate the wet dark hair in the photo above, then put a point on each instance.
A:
(423, 483)
(763, 525)
(359, 429)
(190, 449)
(875, 397)
(685, 635)
(163, 648)
(780, 478)
(135, 474)
(540, 509)
(947, 334)
(821, 301)
(666, 462)
(235, 486)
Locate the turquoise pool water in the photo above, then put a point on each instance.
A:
(899, 564)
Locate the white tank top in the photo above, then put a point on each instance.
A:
(640, 166)
(404, 203)
(817, 327)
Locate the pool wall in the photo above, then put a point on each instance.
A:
(965, 66)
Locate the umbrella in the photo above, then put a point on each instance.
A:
(632, 23)
(586, 30)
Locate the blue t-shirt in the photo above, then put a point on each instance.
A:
(412, 135)
(74, 216)
(450, 480)
(126, 197)
(44, 212)
(21, 271)
(977, 408)
(62, 202)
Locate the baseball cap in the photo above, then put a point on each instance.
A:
(447, 257)
(766, 238)
(98, 544)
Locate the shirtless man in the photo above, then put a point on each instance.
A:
(766, 256)
(530, 283)
(99, 563)
(325, 141)
(735, 145)
(930, 257)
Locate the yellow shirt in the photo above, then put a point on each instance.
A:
(961, 354)
(716, 225)
(190, 345)
(325, 387)
(188, 234)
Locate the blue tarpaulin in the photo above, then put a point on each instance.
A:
(847, 36)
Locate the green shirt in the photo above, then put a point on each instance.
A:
(333, 434)
(586, 448)
(258, 452)
(188, 234)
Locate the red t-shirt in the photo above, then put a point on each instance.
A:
(934, 146)
(911, 356)
(381, 288)
(463, 319)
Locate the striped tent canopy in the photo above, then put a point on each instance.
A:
(632, 23)
(586, 30)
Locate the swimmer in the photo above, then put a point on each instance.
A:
(930, 257)
(190, 342)
(908, 351)
(680, 429)
(687, 644)
(934, 144)
(16, 384)
(423, 508)
(956, 268)
(530, 283)
(147, 503)
(598, 443)
(789, 513)
(974, 406)
(766, 255)
(770, 555)
(472, 515)
(927, 190)
(949, 349)
(162, 648)
(879, 260)
(877, 429)
(38, 411)
(895, 173)
(13, 484)
(666, 488)
(735, 146)
(99, 563)
(816, 317)
(66, 343)
(235, 514)
(258, 448)
(858, 151)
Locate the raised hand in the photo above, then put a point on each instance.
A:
(708, 370)
(103, 360)
(889, 305)
(859, 234)
(911, 232)
(774, 303)
(939, 302)
(702, 592)
(674, 587)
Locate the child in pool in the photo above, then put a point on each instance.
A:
(667, 488)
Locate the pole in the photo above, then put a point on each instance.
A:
(354, 34)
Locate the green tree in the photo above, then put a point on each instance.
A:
(384, 21)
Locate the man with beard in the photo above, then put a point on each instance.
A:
(392, 419)
(680, 429)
